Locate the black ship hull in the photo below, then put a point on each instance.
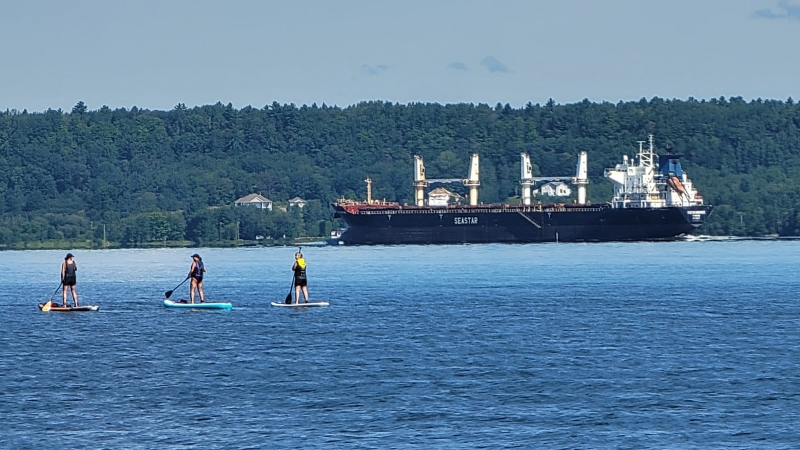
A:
(515, 224)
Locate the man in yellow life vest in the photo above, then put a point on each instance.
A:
(300, 281)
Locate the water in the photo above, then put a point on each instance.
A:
(659, 345)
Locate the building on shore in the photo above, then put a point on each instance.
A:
(254, 201)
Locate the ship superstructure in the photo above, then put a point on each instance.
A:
(651, 201)
(643, 184)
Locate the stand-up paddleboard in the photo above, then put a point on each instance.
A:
(184, 304)
(61, 308)
(301, 305)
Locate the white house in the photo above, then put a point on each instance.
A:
(297, 202)
(441, 197)
(255, 201)
(555, 189)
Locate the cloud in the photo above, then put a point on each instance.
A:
(457, 66)
(493, 65)
(373, 70)
(785, 9)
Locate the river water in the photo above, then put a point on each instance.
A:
(620, 345)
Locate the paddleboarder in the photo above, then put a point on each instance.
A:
(300, 282)
(68, 279)
(196, 274)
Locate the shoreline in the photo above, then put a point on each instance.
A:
(313, 242)
(88, 245)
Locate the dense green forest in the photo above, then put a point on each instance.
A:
(157, 176)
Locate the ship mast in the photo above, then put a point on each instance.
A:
(526, 179)
(473, 180)
(369, 190)
(581, 177)
(419, 181)
(646, 157)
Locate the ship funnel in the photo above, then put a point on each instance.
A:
(581, 177)
(473, 181)
(526, 178)
(419, 181)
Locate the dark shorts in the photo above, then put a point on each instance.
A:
(300, 282)
(69, 281)
(198, 280)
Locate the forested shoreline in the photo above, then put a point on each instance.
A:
(171, 177)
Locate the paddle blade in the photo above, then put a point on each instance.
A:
(46, 306)
(167, 294)
(288, 300)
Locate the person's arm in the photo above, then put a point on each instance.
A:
(76, 265)
(294, 266)
(63, 269)
(191, 270)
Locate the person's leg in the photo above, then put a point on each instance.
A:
(74, 295)
(305, 292)
(64, 295)
(200, 289)
(192, 286)
(297, 293)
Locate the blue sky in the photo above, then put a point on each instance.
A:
(156, 54)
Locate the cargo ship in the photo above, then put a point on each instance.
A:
(653, 199)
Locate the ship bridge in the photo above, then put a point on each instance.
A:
(640, 183)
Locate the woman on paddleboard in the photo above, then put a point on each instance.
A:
(300, 281)
(196, 274)
(68, 279)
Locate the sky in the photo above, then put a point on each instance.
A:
(157, 54)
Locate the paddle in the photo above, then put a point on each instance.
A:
(46, 306)
(168, 293)
(288, 300)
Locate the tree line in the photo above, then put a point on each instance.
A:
(151, 176)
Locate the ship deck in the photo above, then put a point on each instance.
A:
(367, 209)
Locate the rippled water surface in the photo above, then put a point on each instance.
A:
(659, 345)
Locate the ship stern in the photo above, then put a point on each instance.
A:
(696, 215)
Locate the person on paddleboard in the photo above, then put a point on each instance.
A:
(196, 274)
(300, 281)
(68, 279)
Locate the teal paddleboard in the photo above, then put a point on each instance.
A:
(171, 304)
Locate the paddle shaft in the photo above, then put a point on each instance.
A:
(169, 293)
(288, 299)
(54, 292)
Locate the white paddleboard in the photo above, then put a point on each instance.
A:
(301, 304)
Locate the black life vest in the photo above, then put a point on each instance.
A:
(199, 268)
(299, 272)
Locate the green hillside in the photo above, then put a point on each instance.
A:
(155, 176)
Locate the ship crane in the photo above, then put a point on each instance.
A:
(420, 182)
(581, 178)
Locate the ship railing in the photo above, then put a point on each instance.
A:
(536, 208)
